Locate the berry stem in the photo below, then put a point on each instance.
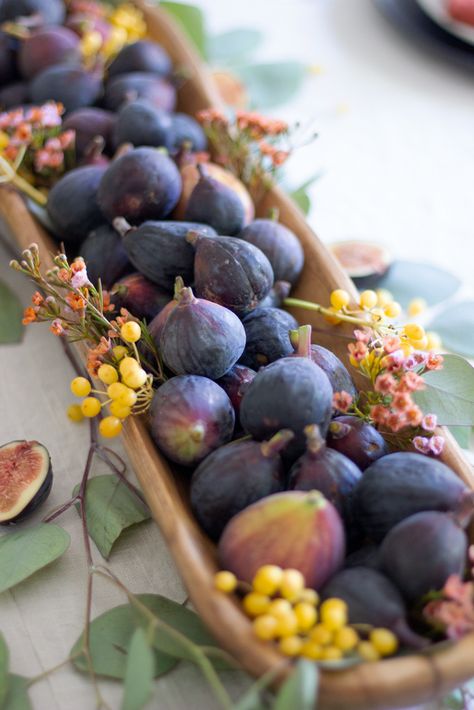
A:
(9, 175)
(309, 306)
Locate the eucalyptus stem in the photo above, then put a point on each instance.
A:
(309, 306)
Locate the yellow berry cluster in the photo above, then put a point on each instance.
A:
(288, 613)
(379, 304)
(124, 378)
(126, 25)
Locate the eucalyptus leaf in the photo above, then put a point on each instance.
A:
(462, 434)
(251, 699)
(110, 508)
(17, 696)
(270, 85)
(449, 392)
(301, 689)
(26, 551)
(455, 326)
(11, 313)
(301, 198)
(228, 47)
(191, 20)
(139, 672)
(4, 660)
(407, 280)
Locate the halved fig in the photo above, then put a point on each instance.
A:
(364, 262)
(26, 478)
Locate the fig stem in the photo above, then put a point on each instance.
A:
(178, 287)
(302, 336)
(314, 440)
(186, 296)
(202, 170)
(197, 432)
(121, 226)
(309, 306)
(277, 443)
(192, 236)
(339, 430)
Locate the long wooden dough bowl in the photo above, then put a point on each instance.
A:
(396, 683)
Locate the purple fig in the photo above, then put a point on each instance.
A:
(7, 59)
(267, 331)
(126, 88)
(72, 86)
(105, 257)
(185, 130)
(140, 123)
(26, 478)
(43, 12)
(14, 95)
(139, 296)
(356, 439)
(235, 383)
(277, 294)
(87, 123)
(141, 56)
(45, 48)
(365, 556)
(72, 203)
(214, 203)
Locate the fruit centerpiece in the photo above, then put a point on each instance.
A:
(196, 290)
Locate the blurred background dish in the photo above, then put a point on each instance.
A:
(443, 12)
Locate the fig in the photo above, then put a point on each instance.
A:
(373, 599)
(46, 47)
(139, 296)
(45, 12)
(7, 59)
(141, 56)
(105, 257)
(201, 338)
(230, 272)
(279, 244)
(26, 478)
(94, 153)
(365, 556)
(235, 476)
(356, 439)
(160, 251)
(84, 23)
(235, 383)
(72, 203)
(216, 204)
(421, 552)
(125, 88)
(366, 263)
(72, 86)
(158, 323)
(186, 130)
(277, 294)
(293, 529)
(14, 95)
(401, 484)
(190, 417)
(87, 123)
(288, 394)
(140, 123)
(267, 331)
(139, 185)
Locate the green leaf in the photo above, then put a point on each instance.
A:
(301, 198)
(251, 699)
(232, 46)
(110, 508)
(191, 20)
(301, 688)
(4, 660)
(449, 392)
(407, 280)
(17, 696)
(462, 434)
(24, 552)
(270, 85)
(11, 314)
(139, 672)
(455, 325)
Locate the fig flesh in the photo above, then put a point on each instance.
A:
(268, 339)
(356, 439)
(72, 203)
(216, 204)
(105, 257)
(26, 478)
(365, 262)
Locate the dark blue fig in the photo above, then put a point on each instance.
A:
(421, 552)
(235, 476)
(7, 59)
(373, 599)
(279, 244)
(26, 477)
(401, 484)
(160, 251)
(356, 439)
(214, 203)
(141, 56)
(142, 184)
(45, 48)
(129, 87)
(140, 123)
(201, 338)
(365, 556)
(267, 331)
(277, 294)
(158, 323)
(72, 86)
(139, 296)
(186, 130)
(235, 382)
(230, 272)
(190, 417)
(14, 95)
(88, 123)
(72, 204)
(105, 257)
(44, 12)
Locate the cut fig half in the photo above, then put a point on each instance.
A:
(26, 478)
(365, 262)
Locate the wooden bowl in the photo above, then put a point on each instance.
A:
(407, 680)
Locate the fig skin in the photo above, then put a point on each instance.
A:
(14, 95)
(356, 439)
(141, 124)
(421, 552)
(229, 272)
(105, 257)
(72, 203)
(89, 122)
(288, 394)
(235, 383)
(125, 88)
(373, 599)
(7, 59)
(186, 130)
(49, 12)
(72, 86)
(267, 331)
(365, 556)
(47, 47)
(293, 529)
(201, 338)
(139, 296)
(160, 250)
(26, 478)
(279, 244)
(141, 56)
(214, 203)
(143, 184)
(277, 294)
(401, 484)
(190, 417)
(235, 476)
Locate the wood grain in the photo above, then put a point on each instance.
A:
(387, 684)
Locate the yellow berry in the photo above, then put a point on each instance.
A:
(292, 584)
(127, 365)
(80, 386)
(107, 374)
(413, 331)
(110, 427)
(267, 579)
(311, 650)
(416, 306)
(74, 413)
(128, 397)
(346, 638)
(406, 348)
(116, 390)
(420, 344)
(131, 332)
(119, 410)
(384, 297)
(331, 653)
(225, 581)
(339, 298)
(367, 651)
(290, 645)
(91, 406)
(265, 627)
(306, 615)
(135, 379)
(433, 340)
(392, 309)
(384, 641)
(377, 315)
(333, 319)
(333, 613)
(119, 351)
(287, 624)
(279, 607)
(255, 604)
(321, 635)
(368, 299)
(310, 596)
